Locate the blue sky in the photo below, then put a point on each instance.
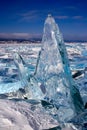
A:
(25, 18)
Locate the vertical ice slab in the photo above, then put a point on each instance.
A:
(21, 69)
(28, 82)
(52, 79)
(53, 72)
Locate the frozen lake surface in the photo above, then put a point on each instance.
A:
(13, 113)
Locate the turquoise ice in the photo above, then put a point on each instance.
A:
(52, 80)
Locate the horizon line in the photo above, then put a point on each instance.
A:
(29, 36)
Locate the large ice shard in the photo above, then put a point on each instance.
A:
(53, 73)
(52, 79)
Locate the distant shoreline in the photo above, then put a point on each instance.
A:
(33, 41)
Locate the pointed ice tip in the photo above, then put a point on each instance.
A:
(50, 19)
(49, 15)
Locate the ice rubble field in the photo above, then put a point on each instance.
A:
(13, 115)
(77, 54)
(9, 75)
